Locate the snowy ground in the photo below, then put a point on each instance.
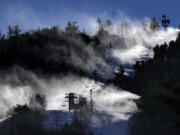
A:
(112, 109)
(101, 123)
(52, 116)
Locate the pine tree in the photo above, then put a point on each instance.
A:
(154, 25)
(10, 31)
(16, 31)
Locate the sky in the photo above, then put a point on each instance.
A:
(30, 14)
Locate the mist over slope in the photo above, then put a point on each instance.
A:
(52, 62)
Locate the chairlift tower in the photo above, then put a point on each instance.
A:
(95, 73)
(122, 29)
(57, 120)
(71, 100)
(91, 100)
(165, 22)
(114, 33)
(118, 35)
(109, 47)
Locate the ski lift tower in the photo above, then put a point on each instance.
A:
(110, 47)
(71, 99)
(165, 22)
(95, 74)
(91, 100)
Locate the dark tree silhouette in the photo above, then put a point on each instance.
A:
(157, 82)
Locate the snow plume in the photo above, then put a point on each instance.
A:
(131, 43)
(11, 96)
(132, 39)
(127, 45)
(106, 99)
(139, 44)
